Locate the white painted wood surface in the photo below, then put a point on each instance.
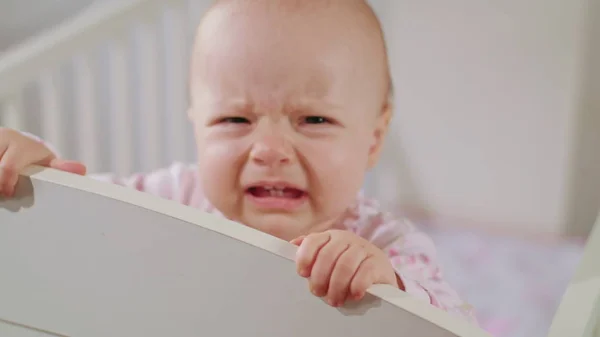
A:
(86, 112)
(579, 312)
(177, 18)
(12, 113)
(151, 90)
(85, 258)
(99, 22)
(53, 116)
(121, 119)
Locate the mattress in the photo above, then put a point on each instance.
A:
(515, 284)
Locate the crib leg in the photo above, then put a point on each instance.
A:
(12, 114)
(176, 93)
(150, 93)
(121, 116)
(85, 101)
(52, 111)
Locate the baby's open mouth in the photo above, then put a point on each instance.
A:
(276, 192)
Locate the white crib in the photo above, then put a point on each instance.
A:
(86, 85)
(138, 274)
(579, 310)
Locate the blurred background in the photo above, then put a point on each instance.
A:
(494, 148)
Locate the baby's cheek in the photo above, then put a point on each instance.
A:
(222, 157)
(341, 174)
(219, 168)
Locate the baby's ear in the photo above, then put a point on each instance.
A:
(381, 128)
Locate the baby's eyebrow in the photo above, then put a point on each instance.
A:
(311, 105)
(232, 104)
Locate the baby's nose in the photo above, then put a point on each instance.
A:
(271, 150)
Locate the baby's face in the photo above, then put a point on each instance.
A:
(288, 114)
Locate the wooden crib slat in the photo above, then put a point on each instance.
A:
(52, 110)
(150, 93)
(12, 114)
(95, 23)
(176, 93)
(85, 100)
(122, 153)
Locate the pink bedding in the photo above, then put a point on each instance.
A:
(516, 285)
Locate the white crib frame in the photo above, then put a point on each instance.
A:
(579, 312)
(37, 61)
(39, 191)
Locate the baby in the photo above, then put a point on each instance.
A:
(290, 103)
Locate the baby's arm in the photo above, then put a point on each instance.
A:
(413, 256)
(177, 182)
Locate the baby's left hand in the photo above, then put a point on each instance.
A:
(341, 265)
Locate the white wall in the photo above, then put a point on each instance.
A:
(489, 95)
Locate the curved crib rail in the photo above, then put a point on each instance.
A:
(142, 48)
(157, 268)
(579, 312)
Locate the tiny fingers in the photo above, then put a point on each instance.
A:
(324, 265)
(345, 268)
(340, 266)
(9, 171)
(363, 278)
(308, 251)
(298, 241)
(70, 166)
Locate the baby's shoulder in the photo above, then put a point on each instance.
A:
(367, 218)
(178, 182)
(186, 184)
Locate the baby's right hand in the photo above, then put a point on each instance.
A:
(17, 151)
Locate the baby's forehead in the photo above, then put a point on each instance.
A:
(289, 6)
(280, 24)
(335, 13)
(285, 40)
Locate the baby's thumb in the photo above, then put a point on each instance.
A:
(68, 166)
(298, 241)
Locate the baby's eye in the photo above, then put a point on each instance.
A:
(235, 120)
(315, 120)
